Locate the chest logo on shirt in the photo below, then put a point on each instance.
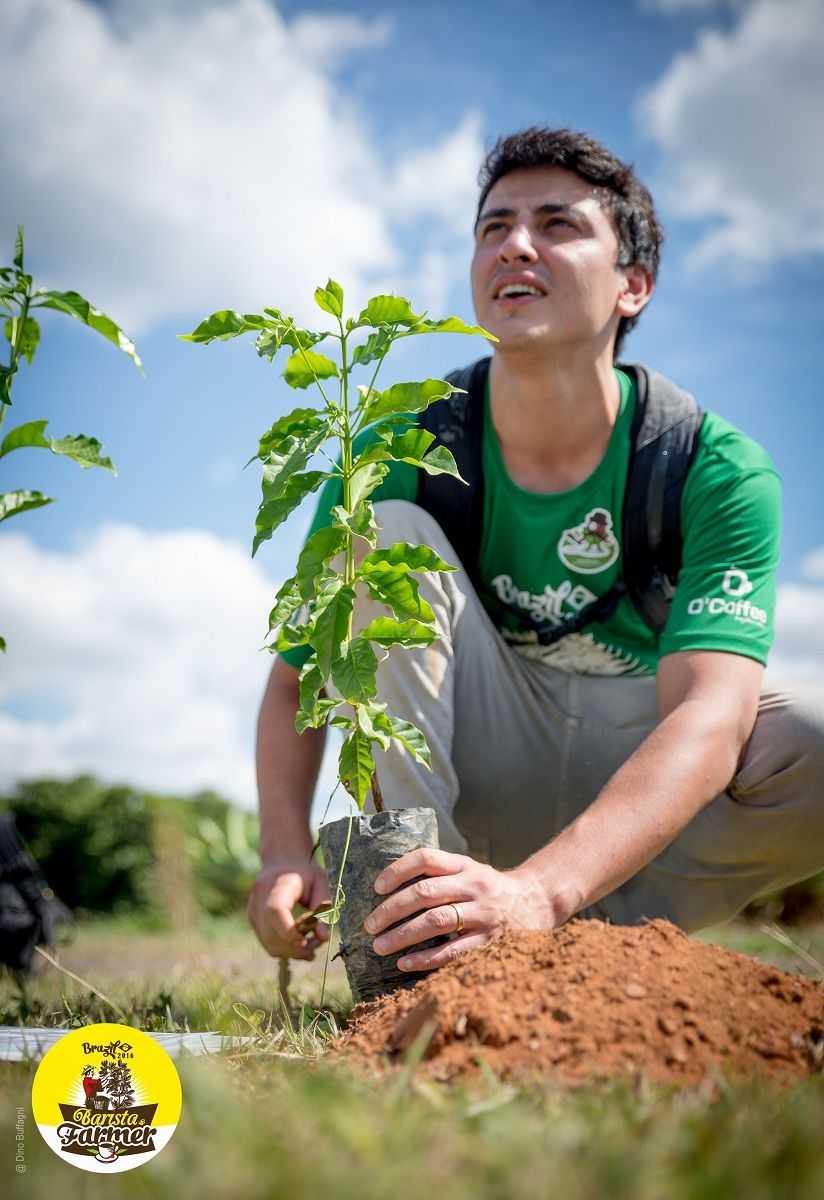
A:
(591, 546)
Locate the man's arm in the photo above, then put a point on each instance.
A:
(287, 770)
(707, 705)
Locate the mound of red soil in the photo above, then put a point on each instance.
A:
(595, 1001)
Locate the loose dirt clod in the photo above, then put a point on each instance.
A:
(594, 1001)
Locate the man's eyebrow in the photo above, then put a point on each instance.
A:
(539, 210)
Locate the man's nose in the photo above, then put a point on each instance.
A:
(517, 245)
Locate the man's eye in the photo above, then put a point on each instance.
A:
(492, 226)
(560, 221)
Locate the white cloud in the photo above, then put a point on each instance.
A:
(327, 38)
(798, 653)
(176, 158)
(144, 648)
(812, 565)
(739, 119)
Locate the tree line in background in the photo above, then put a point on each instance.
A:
(122, 851)
(117, 850)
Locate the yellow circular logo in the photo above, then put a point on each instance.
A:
(106, 1098)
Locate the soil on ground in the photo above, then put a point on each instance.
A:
(595, 1001)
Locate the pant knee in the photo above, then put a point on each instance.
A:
(403, 521)
(786, 750)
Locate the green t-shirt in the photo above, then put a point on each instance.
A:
(550, 554)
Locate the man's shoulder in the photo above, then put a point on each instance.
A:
(725, 447)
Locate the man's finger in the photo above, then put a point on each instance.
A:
(285, 894)
(425, 861)
(430, 892)
(427, 960)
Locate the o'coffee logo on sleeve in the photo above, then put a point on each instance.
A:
(106, 1098)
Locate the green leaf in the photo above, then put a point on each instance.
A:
(287, 600)
(14, 503)
(388, 310)
(290, 636)
(29, 339)
(323, 545)
(451, 325)
(299, 423)
(2, 645)
(273, 512)
(313, 708)
(365, 480)
(406, 398)
(356, 766)
(30, 434)
(367, 714)
(361, 522)
(5, 385)
(223, 325)
(375, 347)
(331, 628)
(353, 674)
(394, 587)
(291, 456)
(405, 556)
(305, 367)
(387, 632)
(18, 249)
(315, 717)
(77, 306)
(83, 450)
(439, 461)
(410, 446)
(409, 736)
(330, 298)
(282, 331)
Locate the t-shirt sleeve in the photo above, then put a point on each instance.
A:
(401, 483)
(731, 525)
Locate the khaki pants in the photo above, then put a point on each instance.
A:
(519, 749)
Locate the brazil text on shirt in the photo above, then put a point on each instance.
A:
(548, 554)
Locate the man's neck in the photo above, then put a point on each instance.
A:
(553, 417)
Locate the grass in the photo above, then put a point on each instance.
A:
(277, 1120)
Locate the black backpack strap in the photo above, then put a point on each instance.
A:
(664, 440)
(457, 422)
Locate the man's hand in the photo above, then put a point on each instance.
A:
(489, 902)
(278, 888)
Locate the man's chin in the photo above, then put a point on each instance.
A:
(514, 337)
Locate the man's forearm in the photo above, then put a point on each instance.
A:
(679, 768)
(287, 770)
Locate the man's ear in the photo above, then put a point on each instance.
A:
(636, 292)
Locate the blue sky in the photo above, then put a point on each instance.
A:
(232, 154)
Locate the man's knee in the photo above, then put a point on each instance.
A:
(785, 754)
(403, 521)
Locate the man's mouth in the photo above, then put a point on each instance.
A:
(518, 293)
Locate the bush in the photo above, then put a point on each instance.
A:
(99, 849)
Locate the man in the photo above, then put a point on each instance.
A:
(616, 773)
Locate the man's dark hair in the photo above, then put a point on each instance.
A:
(620, 191)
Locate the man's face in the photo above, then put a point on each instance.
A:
(544, 229)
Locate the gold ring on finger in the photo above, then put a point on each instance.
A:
(458, 918)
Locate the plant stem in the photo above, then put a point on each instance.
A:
(377, 794)
(349, 578)
(369, 390)
(19, 326)
(336, 905)
(346, 460)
